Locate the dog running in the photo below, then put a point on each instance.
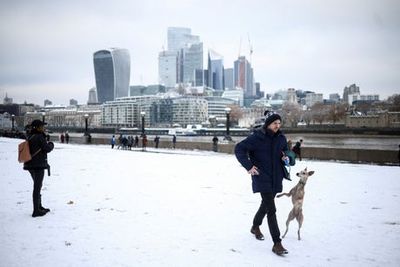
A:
(297, 194)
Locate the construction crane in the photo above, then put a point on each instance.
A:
(250, 47)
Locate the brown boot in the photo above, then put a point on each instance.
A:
(278, 249)
(255, 230)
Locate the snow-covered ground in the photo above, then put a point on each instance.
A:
(189, 208)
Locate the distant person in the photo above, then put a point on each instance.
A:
(297, 148)
(62, 138)
(39, 147)
(174, 141)
(144, 142)
(261, 155)
(156, 141)
(113, 141)
(67, 137)
(89, 138)
(215, 143)
(136, 144)
(130, 142)
(119, 141)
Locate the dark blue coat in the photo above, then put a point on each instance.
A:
(263, 149)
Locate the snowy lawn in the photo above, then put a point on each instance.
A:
(189, 208)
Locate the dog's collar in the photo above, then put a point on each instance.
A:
(301, 182)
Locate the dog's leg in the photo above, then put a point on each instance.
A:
(300, 219)
(291, 216)
(284, 194)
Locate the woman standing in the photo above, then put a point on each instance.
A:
(261, 155)
(39, 147)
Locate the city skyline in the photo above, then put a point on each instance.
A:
(46, 49)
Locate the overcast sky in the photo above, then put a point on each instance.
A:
(47, 46)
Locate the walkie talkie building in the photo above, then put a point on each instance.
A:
(112, 71)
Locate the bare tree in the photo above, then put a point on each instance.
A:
(394, 102)
(236, 113)
(291, 114)
(336, 112)
(319, 112)
(307, 116)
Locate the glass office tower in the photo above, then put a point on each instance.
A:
(112, 73)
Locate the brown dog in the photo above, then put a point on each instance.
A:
(297, 194)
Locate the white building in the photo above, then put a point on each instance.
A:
(359, 97)
(167, 62)
(189, 110)
(126, 111)
(217, 105)
(237, 95)
(68, 117)
(312, 98)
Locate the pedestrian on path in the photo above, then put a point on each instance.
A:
(261, 155)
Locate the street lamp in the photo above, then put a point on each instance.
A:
(86, 123)
(12, 121)
(142, 114)
(227, 111)
(43, 117)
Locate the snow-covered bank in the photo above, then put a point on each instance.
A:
(189, 209)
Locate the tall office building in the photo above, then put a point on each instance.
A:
(352, 89)
(178, 37)
(228, 78)
(215, 71)
(192, 60)
(167, 62)
(112, 71)
(186, 51)
(243, 76)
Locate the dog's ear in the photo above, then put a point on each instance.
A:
(310, 173)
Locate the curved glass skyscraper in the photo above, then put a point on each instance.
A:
(112, 70)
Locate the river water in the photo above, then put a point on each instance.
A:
(377, 142)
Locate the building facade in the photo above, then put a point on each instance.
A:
(313, 98)
(215, 71)
(378, 120)
(112, 73)
(243, 76)
(126, 111)
(167, 63)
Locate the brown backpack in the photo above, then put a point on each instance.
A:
(24, 153)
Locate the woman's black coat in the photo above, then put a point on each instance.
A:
(37, 140)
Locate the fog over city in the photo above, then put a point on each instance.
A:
(47, 46)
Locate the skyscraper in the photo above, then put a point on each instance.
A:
(228, 78)
(243, 75)
(112, 72)
(167, 63)
(178, 37)
(192, 60)
(186, 51)
(215, 71)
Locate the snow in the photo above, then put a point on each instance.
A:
(190, 208)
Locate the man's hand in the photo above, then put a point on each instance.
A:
(253, 171)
